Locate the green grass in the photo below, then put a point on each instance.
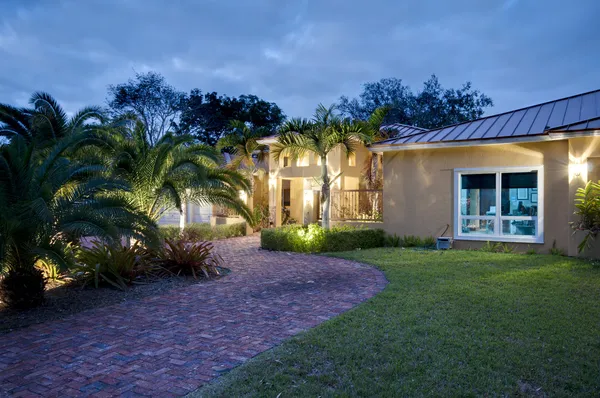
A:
(456, 323)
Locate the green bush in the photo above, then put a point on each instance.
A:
(203, 231)
(314, 239)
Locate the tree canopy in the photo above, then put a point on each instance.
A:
(207, 116)
(157, 104)
(434, 106)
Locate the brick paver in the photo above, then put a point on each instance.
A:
(171, 344)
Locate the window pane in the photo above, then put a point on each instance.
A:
(478, 227)
(478, 195)
(519, 194)
(518, 227)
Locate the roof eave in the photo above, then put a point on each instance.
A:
(550, 136)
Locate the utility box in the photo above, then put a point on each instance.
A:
(443, 243)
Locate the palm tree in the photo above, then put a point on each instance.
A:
(47, 200)
(46, 122)
(322, 134)
(171, 172)
(372, 129)
(241, 142)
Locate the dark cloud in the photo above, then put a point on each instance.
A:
(299, 53)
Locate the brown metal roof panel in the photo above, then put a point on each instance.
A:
(540, 123)
(573, 112)
(511, 124)
(468, 131)
(558, 114)
(451, 136)
(481, 132)
(588, 107)
(526, 122)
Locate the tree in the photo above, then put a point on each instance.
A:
(50, 197)
(322, 134)
(432, 107)
(208, 116)
(46, 122)
(165, 175)
(157, 104)
(372, 129)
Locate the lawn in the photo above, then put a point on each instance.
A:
(456, 323)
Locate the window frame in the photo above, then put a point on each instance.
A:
(498, 218)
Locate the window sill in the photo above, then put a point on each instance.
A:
(495, 238)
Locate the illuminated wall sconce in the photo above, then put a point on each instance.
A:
(244, 196)
(578, 170)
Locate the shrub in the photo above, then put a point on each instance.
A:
(117, 266)
(411, 241)
(195, 259)
(429, 242)
(23, 288)
(393, 241)
(490, 247)
(169, 232)
(314, 239)
(203, 231)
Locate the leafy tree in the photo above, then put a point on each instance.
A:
(431, 107)
(157, 104)
(165, 175)
(208, 116)
(322, 134)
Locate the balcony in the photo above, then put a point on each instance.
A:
(356, 205)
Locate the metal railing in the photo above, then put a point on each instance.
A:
(356, 205)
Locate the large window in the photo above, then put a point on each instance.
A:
(499, 204)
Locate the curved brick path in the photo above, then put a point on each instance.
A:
(170, 345)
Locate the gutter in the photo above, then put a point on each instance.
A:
(549, 136)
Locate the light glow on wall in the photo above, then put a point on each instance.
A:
(244, 196)
(578, 169)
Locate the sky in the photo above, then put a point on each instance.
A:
(299, 53)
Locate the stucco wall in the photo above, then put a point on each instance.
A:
(419, 187)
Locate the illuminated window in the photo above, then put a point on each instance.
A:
(352, 160)
(502, 204)
(286, 161)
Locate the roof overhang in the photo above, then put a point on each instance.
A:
(550, 136)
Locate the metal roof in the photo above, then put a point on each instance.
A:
(402, 130)
(579, 112)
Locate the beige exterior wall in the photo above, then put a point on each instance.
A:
(304, 189)
(419, 188)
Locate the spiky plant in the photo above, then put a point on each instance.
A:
(46, 122)
(320, 135)
(176, 169)
(48, 199)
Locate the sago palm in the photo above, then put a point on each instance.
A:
(320, 135)
(176, 169)
(47, 200)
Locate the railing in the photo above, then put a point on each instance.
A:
(222, 211)
(357, 205)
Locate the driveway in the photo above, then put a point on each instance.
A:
(169, 345)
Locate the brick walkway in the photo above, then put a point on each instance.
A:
(170, 345)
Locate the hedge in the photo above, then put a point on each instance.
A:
(314, 239)
(203, 231)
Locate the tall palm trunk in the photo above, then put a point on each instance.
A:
(325, 193)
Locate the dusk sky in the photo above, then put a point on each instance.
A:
(299, 53)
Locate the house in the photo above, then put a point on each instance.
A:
(509, 177)
(294, 189)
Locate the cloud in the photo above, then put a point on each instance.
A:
(298, 54)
